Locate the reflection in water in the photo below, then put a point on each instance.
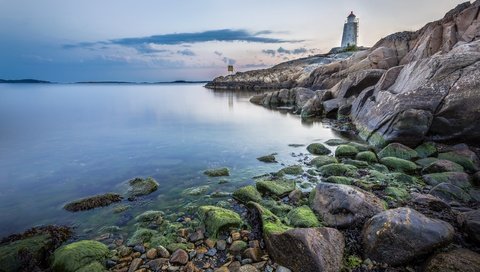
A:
(62, 142)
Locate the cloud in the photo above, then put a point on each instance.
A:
(186, 52)
(229, 61)
(269, 52)
(218, 53)
(281, 50)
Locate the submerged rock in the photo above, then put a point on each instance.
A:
(294, 170)
(343, 205)
(92, 202)
(217, 172)
(80, 256)
(141, 187)
(400, 235)
(196, 191)
(277, 188)
(150, 217)
(217, 219)
(457, 260)
(246, 194)
(268, 158)
(318, 149)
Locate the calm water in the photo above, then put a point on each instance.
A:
(63, 142)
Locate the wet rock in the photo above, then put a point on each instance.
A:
(248, 268)
(217, 172)
(398, 150)
(303, 217)
(150, 217)
(441, 166)
(196, 236)
(426, 149)
(156, 265)
(141, 235)
(340, 180)
(295, 196)
(454, 261)
(196, 191)
(397, 193)
(356, 163)
(343, 205)
(346, 151)
(367, 156)
(139, 248)
(255, 254)
(277, 188)
(92, 202)
(449, 192)
(335, 142)
(338, 169)
(151, 253)
(268, 158)
(464, 156)
(425, 161)
(399, 165)
(400, 235)
(237, 246)
(163, 252)
(459, 179)
(180, 257)
(307, 250)
(292, 170)
(216, 219)
(318, 149)
(80, 255)
(322, 160)
(470, 222)
(221, 245)
(135, 264)
(264, 221)
(141, 187)
(429, 202)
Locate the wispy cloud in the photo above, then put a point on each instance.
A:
(186, 52)
(218, 53)
(283, 51)
(270, 52)
(229, 61)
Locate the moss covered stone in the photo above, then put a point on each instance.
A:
(141, 187)
(367, 156)
(292, 170)
(303, 217)
(279, 208)
(397, 193)
(440, 166)
(339, 180)
(398, 164)
(426, 149)
(352, 262)
(322, 160)
(238, 246)
(79, 255)
(469, 164)
(318, 149)
(338, 169)
(459, 179)
(150, 217)
(425, 161)
(270, 222)
(93, 202)
(268, 158)
(335, 142)
(217, 219)
(356, 163)
(398, 151)
(278, 188)
(361, 147)
(217, 172)
(246, 194)
(346, 151)
(196, 191)
(380, 168)
(176, 246)
(93, 267)
(142, 235)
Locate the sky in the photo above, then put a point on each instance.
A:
(166, 40)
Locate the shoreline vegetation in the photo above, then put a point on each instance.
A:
(403, 200)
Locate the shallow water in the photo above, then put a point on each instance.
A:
(63, 142)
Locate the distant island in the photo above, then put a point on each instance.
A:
(10, 81)
(23, 81)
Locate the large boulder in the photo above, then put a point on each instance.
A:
(400, 235)
(449, 192)
(343, 205)
(80, 256)
(217, 219)
(318, 149)
(314, 106)
(462, 155)
(459, 179)
(275, 187)
(440, 166)
(457, 260)
(470, 222)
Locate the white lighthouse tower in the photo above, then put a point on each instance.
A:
(350, 31)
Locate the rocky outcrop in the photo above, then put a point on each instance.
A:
(400, 235)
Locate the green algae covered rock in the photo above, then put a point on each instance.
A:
(426, 149)
(397, 193)
(356, 163)
(142, 235)
(425, 161)
(459, 179)
(398, 151)
(217, 219)
(278, 188)
(464, 157)
(338, 169)
(279, 208)
(196, 191)
(441, 166)
(334, 142)
(294, 170)
(318, 149)
(217, 172)
(322, 160)
(303, 217)
(398, 164)
(367, 156)
(92, 202)
(339, 180)
(271, 224)
(346, 151)
(150, 217)
(141, 187)
(80, 256)
(268, 158)
(246, 194)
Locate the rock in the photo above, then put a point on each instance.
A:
(196, 236)
(425, 161)
(322, 160)
(453, 261)
(346, 151)
(470, 222)
(338, 169)
(356, 163)
(318, 149)
(440, 166)
(343, 205)
(335, 142)
(268, 158)
(426, 149)
(255, 254)
(476, 179)
(150, 217)
(303, 217)
(216, 219)
(397, 193)
(139, 248)
(221, 245)
(307, 250)
(399, 165)
(265, 220)
(367, 156)
(77, 256)
(30, 250)
(151, 253)
(92, 202)
(135, 264)
(314, 106)
(449, 192)
(238, 246)
(163, 252)
(141, 187)
(196, 191)
(292, 170)
(278, 188)
(180, 257)
(141, 235)
(400, 235)
(217, 172)
(248, 268)
(459, 179)
(295, 196)
(465, 157)
(340, 180)
(398, 150)
(429, 202)
(282, 269)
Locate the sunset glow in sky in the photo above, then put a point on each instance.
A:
(160, 40)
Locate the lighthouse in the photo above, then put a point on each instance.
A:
(350, 31)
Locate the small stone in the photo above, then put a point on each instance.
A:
(210, 243)
(192, 254)
(201, 250)
(282, 269)
(183, 232)
(135, 264)
(180, 256)
(139, 248)
(136, 254)
(254, 243)
(221, 244)
(236, 236)
(156, 265)
(253, 253)
(152, 253)
(246, 261)
(163, 252)
(248, 268)
(110, 263)
(222, 269)
(196, 236)
(211, 252)
(238, 246)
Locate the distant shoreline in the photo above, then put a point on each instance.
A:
(36, 81)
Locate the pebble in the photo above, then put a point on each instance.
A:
(163, 252)
(180, 256)
(236, 236)
(151, 253)
(196, 236)
(192, 254)
(283, 269)
(221, 244)
(135, 264)
(139, 248)
(111, 263)
(246, 261)
(211, 252)
(210, 243)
